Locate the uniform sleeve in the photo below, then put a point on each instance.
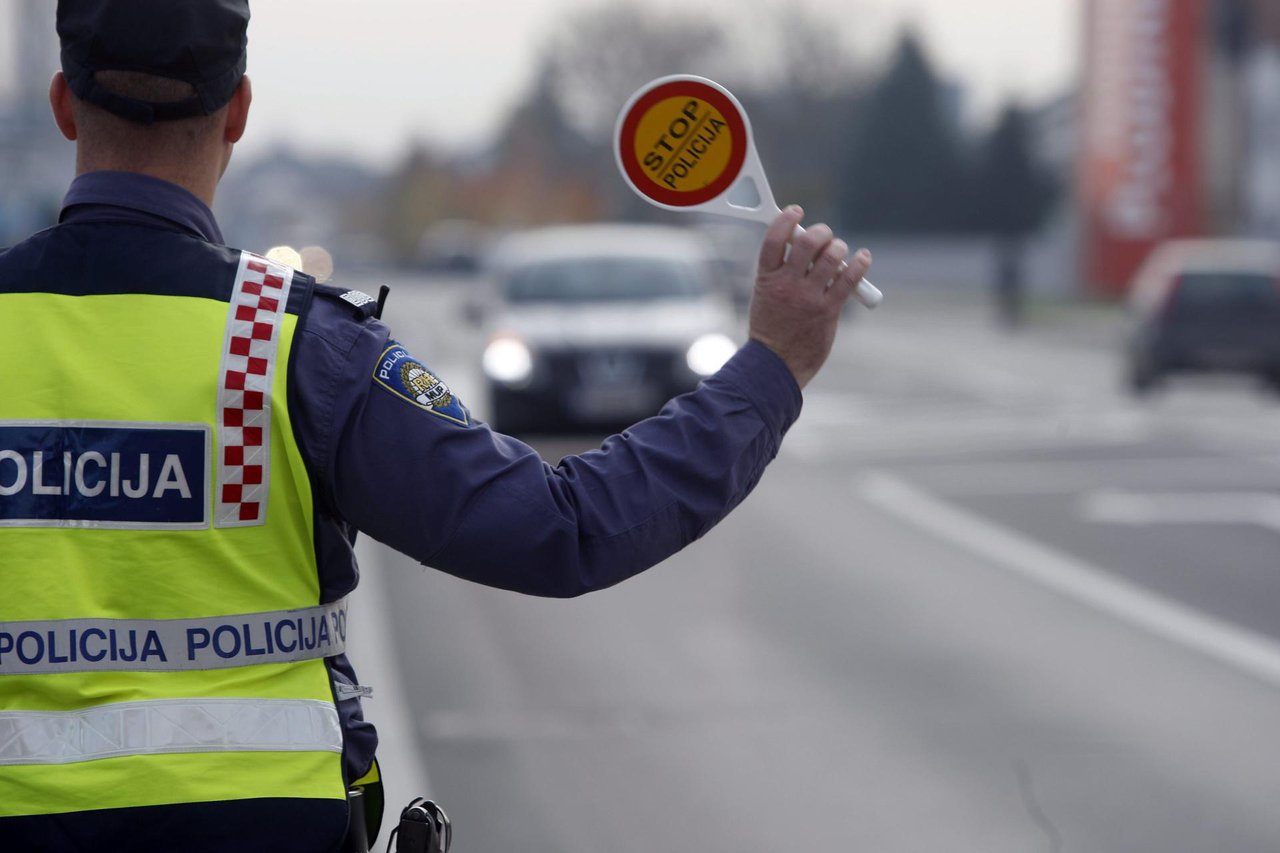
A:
(416, 472)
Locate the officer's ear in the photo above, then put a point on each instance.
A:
(238, 111)
(64, 113)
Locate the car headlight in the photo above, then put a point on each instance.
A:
(507, 360)
(709, 353)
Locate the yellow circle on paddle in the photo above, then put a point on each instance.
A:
(683, 144)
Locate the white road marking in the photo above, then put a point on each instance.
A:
(1241, 649)
(961, 432)
(1074, 474)
(1117, 507)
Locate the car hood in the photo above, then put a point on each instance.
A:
(658, 323)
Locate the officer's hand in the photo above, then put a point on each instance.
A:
(795, 307)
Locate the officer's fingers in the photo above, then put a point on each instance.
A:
(847, 279)
(827, 264)
(807, 247)
(774, 249)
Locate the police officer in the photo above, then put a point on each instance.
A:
(191, 435)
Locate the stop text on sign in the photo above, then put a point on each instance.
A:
(692, 148)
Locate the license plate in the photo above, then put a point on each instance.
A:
(611, 368)
(607, 402)
(1228, 359)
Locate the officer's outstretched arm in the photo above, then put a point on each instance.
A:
(484, 506)
(434, 484)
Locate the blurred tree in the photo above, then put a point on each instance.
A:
(538, 129)
(884, 159)
(556, 147)
(602, 55)
(1013, 193)
(815, 60)
(544, 169)
(1012, 197)
(905, 169)
(417, 195)
(802, 114)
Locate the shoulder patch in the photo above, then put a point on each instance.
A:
(358, 299)
(413, 382)
(363, 305)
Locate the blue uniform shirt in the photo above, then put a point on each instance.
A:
(459, 497)
(430, 481)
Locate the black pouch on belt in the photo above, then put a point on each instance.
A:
(424, 828)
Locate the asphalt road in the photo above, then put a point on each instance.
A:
(981, 601)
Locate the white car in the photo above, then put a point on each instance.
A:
(599, 325)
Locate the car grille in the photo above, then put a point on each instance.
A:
(613, 366)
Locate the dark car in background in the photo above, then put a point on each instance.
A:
(599, 325)
(1206, 306)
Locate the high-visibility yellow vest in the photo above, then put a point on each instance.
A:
(161, 630)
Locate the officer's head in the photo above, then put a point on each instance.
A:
(152, 85)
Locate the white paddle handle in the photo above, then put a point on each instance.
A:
(864, 291)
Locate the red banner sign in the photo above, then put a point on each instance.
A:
(1141, 169)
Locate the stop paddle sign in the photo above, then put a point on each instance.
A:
(683, 142)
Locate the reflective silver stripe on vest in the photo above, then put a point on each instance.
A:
(158, 645)
(166, 726)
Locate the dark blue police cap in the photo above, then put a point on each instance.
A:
(201, 42)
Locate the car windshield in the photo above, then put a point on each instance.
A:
(604, 280)
(1225, 293)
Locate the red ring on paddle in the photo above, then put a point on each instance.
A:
(737, 153)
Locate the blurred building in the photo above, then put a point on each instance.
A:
(1180, 111)
(35, 161)
(283, 198)
(275, 199)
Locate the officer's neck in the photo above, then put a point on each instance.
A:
(200, 182)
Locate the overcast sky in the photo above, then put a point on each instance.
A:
(364, 77)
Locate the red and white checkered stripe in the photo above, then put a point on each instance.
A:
(249, 350)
